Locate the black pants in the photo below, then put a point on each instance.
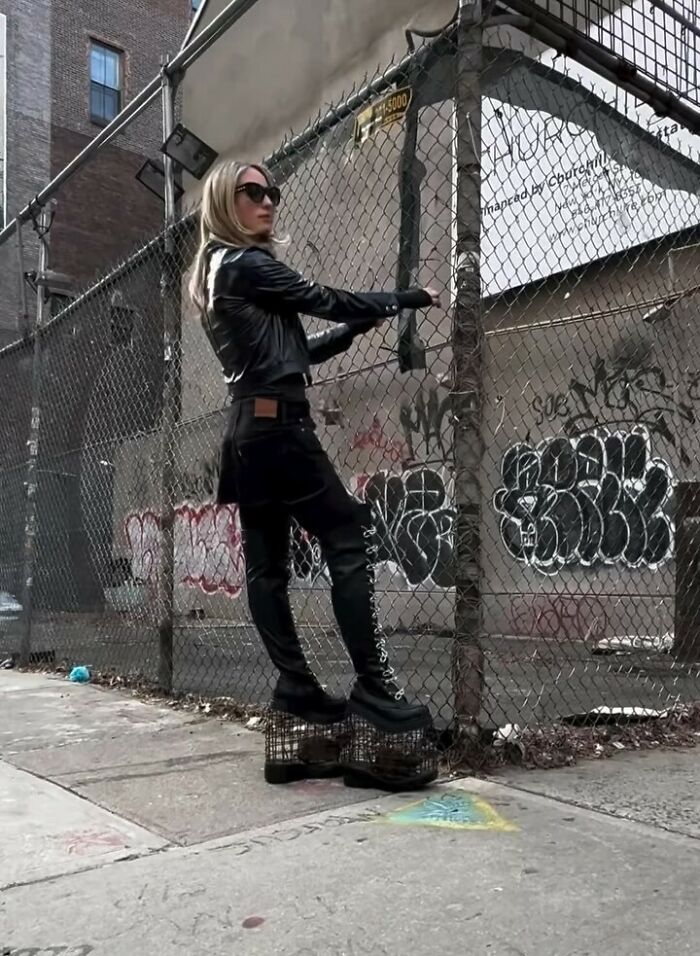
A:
(276, 469)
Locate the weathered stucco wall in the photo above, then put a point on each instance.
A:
(588, 427)
(590, 413)
(283, 62)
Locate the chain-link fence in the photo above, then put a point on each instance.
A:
(576, 474)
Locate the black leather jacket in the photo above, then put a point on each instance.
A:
(252, 319)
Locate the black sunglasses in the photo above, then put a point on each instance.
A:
(256, 193)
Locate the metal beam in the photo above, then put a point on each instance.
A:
(676, 15)
(170, 285)
(43, 227)
(209, 35)
(593, 55)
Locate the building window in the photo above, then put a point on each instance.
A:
(105, 83)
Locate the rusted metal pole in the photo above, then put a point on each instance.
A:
(467, 374)
(30, 526)
(24, 308)
(170, 294)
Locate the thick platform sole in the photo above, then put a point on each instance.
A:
(369, 780)
(394, 761)
(294, 772)
(300, 749)
(297, 709)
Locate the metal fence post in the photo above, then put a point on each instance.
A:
(24, 316)
(30, 528)
(170, 291)
(467, 372)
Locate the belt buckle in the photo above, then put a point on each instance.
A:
(265, 407)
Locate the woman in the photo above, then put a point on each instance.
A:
(272, 463)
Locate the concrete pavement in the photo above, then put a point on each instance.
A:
(131, 828)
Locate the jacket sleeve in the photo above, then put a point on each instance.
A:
(326, 344)
(273, 285)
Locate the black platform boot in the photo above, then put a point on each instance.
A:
(392, 745)
(304, 697)
(377, 697)
(306, 728)
(307, 731)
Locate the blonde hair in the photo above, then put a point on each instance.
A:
(219, 222)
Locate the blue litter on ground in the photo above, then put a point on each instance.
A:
(79, 675)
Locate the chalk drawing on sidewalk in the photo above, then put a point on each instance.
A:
(455, 809)
(84, 842)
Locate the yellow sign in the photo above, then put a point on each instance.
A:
(390, 109)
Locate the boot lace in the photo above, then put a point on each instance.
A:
(388, 673)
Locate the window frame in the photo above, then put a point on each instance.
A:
(95, 43)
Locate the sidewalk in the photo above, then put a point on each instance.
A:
(128, 828)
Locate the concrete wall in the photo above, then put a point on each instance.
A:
(608, 405)
(571, 356)
(283, 62)
(590, 416)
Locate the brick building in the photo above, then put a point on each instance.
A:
(66, 68)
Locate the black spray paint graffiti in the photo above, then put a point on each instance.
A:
(596, 498)
(429, 418)
(622, 390)
(414, 518)
(414, 521)
(201, 484)
(307, 560)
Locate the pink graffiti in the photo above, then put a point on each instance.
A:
(83, 842)
(208, 547)
(374, 437)
(557, 616)
(359, 482)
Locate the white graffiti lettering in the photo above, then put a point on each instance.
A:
(598, 498)
(208, 547)
(414, 517)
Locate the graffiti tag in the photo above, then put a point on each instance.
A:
(596, 498)
(208, 547)
(414, 520)
(392, 449)
(413, 515)
(83, 842)
(427, 417)
(617, 393)
(559, 616)
(308, 564)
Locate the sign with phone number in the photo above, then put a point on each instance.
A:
(390, 109)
